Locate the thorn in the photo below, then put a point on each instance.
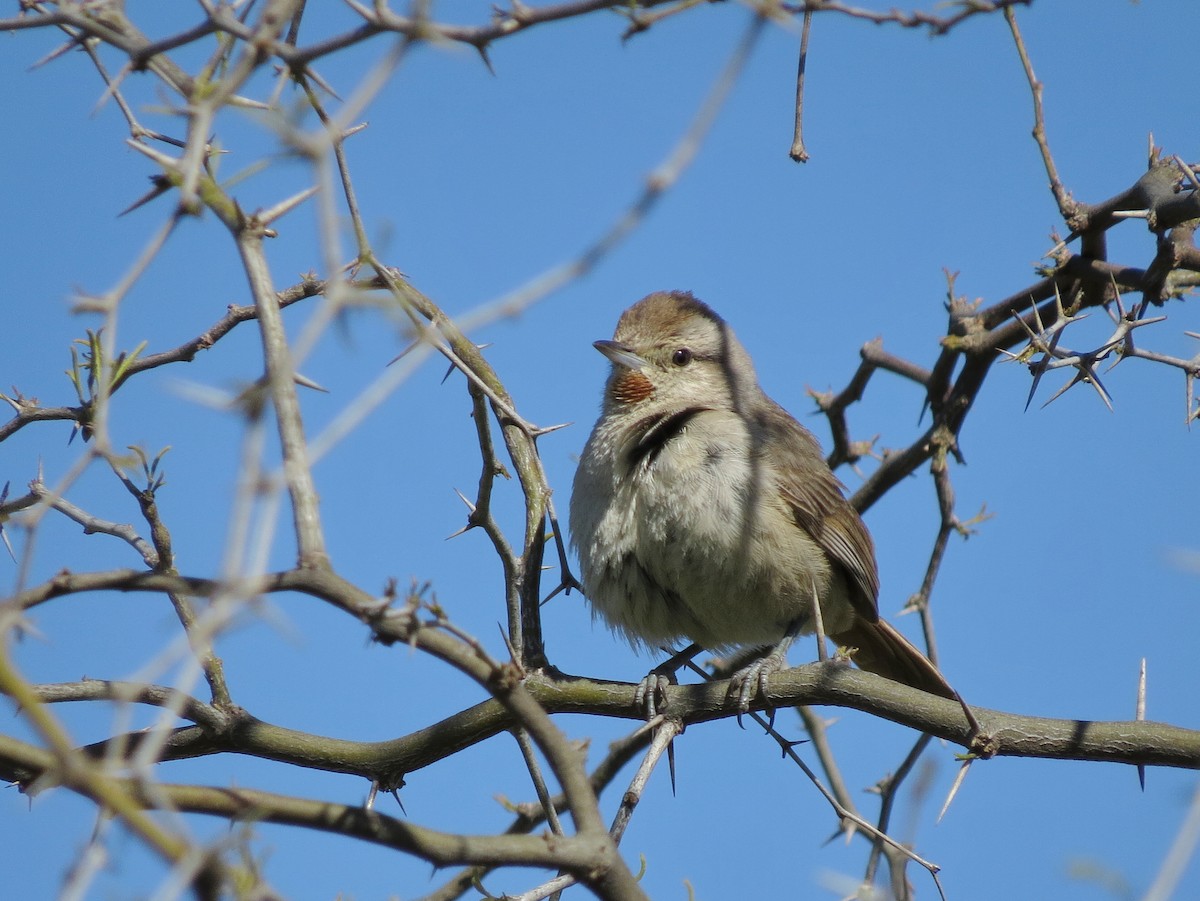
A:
(563, 586)
(160, 186)
(818, 633)
(1061, 245)
(1117, 294)
(851, 829)
(1189, 394)
(512, 651)
(958, 781)
(671, 766)
(787, 745)
(167, 162)
(1095, 380)
(305, 382)
(466, 500)
(470, 524)
(1037, 313)
(56, 53)
(546, 430)
(1187, 171)
(1140, 715)
(323, 85)
(268, 216)
(650, 725)
(403, 353)
(1058, 306)
(1037, 344)
(487, 60)
(842, 829)
(969, 715)
(1079, 377)
(452, 367)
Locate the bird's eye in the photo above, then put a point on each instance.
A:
(681, 357)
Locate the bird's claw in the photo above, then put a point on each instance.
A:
(651, 694)
(752, 680)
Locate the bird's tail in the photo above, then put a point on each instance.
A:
(884, 651)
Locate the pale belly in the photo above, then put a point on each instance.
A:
(698, 546)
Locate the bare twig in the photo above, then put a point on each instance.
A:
(798, 151)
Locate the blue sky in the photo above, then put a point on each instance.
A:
(475, 183)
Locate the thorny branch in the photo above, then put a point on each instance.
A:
(1167, 199)
(1027, 327)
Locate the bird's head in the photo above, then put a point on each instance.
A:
(671, 350)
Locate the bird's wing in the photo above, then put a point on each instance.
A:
(821, 509)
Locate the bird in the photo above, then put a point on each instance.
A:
(701, 510)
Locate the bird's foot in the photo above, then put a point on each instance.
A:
(651, 694)
(752, 680)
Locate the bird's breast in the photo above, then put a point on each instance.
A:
(686, 534)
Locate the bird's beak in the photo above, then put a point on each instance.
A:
(619, 354)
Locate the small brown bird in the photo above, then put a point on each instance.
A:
(702, 510)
